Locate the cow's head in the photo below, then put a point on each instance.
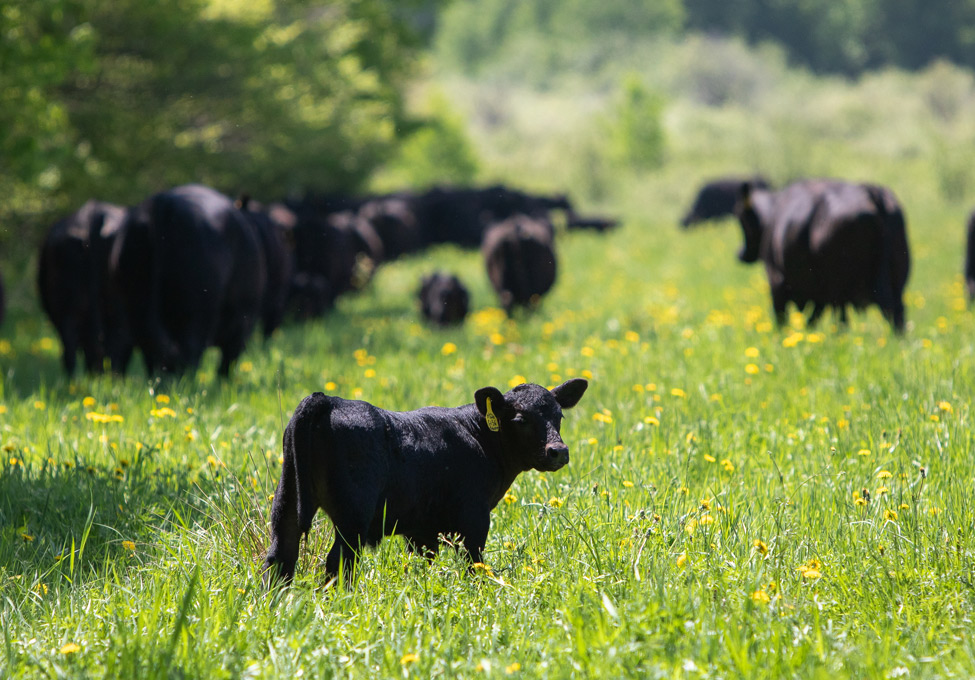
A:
(749, 215)
(528, 419)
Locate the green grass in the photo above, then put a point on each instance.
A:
(130, 548)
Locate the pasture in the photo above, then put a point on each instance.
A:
(741, 501)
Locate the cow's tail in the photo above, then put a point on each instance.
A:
(889, 281)
(296, 499)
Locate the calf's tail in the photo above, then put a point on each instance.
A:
(296, 499)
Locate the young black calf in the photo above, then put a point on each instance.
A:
(421, 474)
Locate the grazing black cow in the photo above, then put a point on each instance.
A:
(717, 198)
(970, 258)
(192, 273)
(394, 220)
(73, 279)
(273, 225)
(422, 474)
(599, 224)
(462, 215)
(830, 243)
(520, 260)
(335, 252)
(443, 299)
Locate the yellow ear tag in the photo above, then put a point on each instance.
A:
(492, 420)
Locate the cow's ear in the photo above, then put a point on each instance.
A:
(497, 400)
(570, 392)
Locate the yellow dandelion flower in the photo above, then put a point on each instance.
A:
(517, 380)
(602, 418)
(727, 465)
(370, 373)
(513, 668)
(752, 369)
(164, 412)
(709, 458)
(40, 405)
(162, 399)
(706, 520)
(863, 452)
(678, 392)
(129, 545)
(760, 597)
(587, 351)
(650, 420)
(88, 402)
(330, 386)
(448, 348)
(555, 502)
(884, 474)
(631, 336)
(903, 506)
(510, 498)
(70, 648)
(246, 366)
(760, 546)
(751, 352)
(496, 339)
(860, 502)
(407, 659)
(628, 484)
(27, 537)
(945, 406)
(882, 490)
(890, 515)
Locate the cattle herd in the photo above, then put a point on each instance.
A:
(190, 268)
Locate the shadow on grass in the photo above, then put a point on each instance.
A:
(71, 520)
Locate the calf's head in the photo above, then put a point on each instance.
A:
(527, 420)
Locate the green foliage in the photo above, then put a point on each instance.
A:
(117, 100)
(636, 134)
(437, 152)
(538, 38)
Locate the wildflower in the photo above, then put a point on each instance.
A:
(760, 597)
(513, 668)
(752, 369)
(587, 352)
(860, 502)
(70, 648)
(884, 474)
(709, 458)
(164, 412)
(246, 366)
(863, 452)
(678, 392)
(27, 537)
(481, 568)
(812, 569)
(903, 506)
(631, 336)
(517, 380)
(882, 490)
(370, 373)
(162, 399)
(129, 545)
(890, 515)
(510, 498)
(448, 348)
(706, 520)
(602, 417)
(934, 512)
(627, 483)
(760, 546)
(497, 339)
(650, 420)
(727, 465)
(555, 502)
(751, 352)
(409, 658)
(682, 559)
(88, 402)
(592, 441)
(40, 405)
(945, 406)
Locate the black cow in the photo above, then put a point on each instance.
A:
(422, 474)
(273, 225)
(520, 260)
(970, 258)
(73, 280)
(335, 252)
(830, 243)
(443, 299)
(394, 220)
(192, 273)
(462, 215)
(717, 198)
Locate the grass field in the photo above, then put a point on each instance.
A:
(741, 501)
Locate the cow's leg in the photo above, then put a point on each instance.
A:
(476, 524)
(344, 553)
(285, 529)
(818, 309)
(779, 300)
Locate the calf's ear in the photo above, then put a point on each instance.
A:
(570, 392)
(494, 394)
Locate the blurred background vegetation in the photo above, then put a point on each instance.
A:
(622, 103)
